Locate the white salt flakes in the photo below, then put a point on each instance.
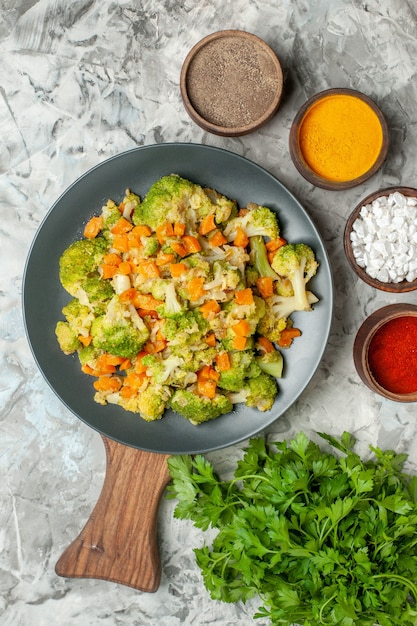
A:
(384, 238)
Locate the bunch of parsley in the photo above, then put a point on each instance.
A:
(319, 538)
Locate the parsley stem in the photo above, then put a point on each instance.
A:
(242, 478)
(323, 606)
(412, 587)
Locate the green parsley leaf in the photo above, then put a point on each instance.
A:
(320, 538)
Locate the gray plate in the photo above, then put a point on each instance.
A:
(43, 296)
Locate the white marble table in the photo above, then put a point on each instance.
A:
(81, 81)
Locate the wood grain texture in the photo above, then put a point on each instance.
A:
(119, 541)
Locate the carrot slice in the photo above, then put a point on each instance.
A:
(207, 224)
(164, 259)
(177, 269)
(112, 259)
(121, 242)
(108, 271)
(211, 340)
(191, 244)
(164, 231)
(93, 227)
(241, 239)
(208, 308)
(239, 343)
(148, 269)
(121, 226)
(134, 379)
(124, 268)
(223, 361)
(274, 244)
(244, 296)
(179, 229)
(107, 383)
(125, 365)
(127, 392)
(207, 388)
(141, 230)
(287, 335)
(195, 288)
(146, 301)
(241, 328)
(179, 248)
(265, 345)
(129, 295)
(217, 239)
(265, 286)
(103, 367)
(85, 340)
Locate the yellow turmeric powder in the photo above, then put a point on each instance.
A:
(340, 137)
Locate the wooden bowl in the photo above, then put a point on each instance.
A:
(392, 287)
(231, 83)
(306, 169)
(363, 339)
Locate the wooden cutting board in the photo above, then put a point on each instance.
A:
(119, 541)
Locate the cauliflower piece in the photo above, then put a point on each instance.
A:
(297, 263)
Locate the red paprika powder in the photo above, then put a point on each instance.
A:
(392, 355)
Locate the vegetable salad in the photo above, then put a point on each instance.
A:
(183, 300)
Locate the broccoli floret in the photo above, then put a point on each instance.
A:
(79, 261)
(243, 365)
(271, 363)
(188, 329)
(201, 266)
(173, 305)
(166, 201)
(259, 257)
(257, 221)
(251, 275)
(297, 263)
(88, 355)
(259, 392)
(67, 337)
(97, 292)
(199, 409)
(120, 331)
(149, 403)
(150, 245)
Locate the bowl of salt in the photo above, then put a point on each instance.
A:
(380, 239)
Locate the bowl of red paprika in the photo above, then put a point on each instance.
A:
(385, 352)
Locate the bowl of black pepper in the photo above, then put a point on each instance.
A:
(231, 83)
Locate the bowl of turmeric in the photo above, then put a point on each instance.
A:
(339, 139)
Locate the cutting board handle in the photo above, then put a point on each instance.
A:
(119, 541)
